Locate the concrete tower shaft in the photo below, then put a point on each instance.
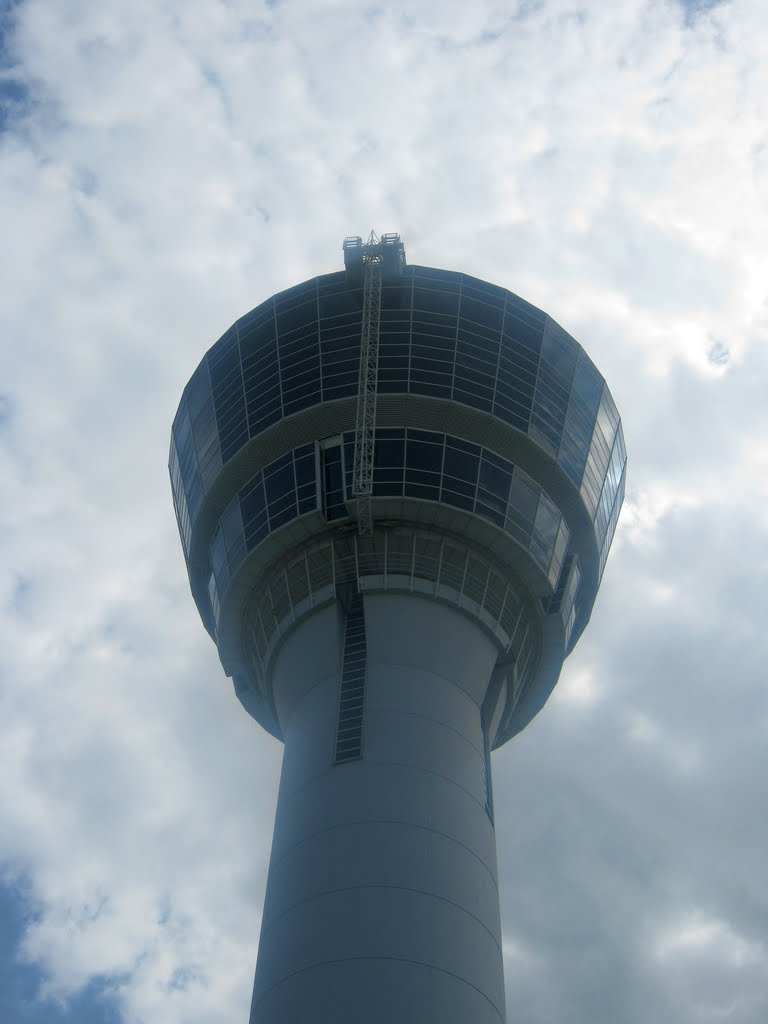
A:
(396, 489)
(382, 901)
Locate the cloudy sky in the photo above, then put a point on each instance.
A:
(164, 167)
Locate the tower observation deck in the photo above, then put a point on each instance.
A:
(396, 489)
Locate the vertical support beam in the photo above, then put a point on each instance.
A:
(365, 426)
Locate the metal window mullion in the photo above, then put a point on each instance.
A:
(288, 592)
(264, 634)
(272, 603)
(504, 605)
(242, 378)
(485, 588)
(439, 564)
(517, 623)
(464, 577)
(309, 581)
(527, 657)
(456, 338)
(498, 357)
(277, 354)
(567, 412)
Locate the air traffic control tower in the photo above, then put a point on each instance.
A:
(396, 488)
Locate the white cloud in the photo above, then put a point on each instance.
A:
(697, 934)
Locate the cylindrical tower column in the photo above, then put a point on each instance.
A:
(382, 901)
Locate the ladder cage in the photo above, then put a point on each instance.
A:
(374, 257)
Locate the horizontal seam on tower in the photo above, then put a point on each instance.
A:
(394, 959)
(427, 771)
(285, 798)
(427, 671)
(399, 888)
(385, 821)
(334, 678)
(426, 718)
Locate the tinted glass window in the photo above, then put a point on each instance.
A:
(333, 484)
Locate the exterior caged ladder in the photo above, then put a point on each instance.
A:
(373, 261)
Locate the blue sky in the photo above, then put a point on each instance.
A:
(20, 982)
(164, 168)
